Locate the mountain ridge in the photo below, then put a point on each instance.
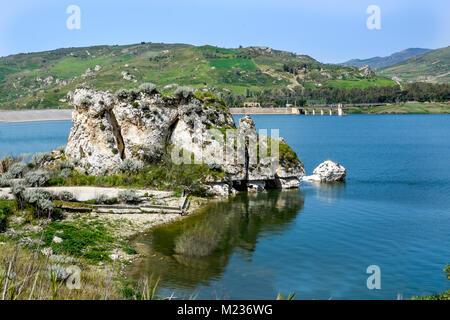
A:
(387, 61)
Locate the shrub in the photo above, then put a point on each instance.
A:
(39, 200)
(5, 163)
(37, 178)
(115, 151)
(132, 166)
(65, 173)
(122, 94)
(148, 88)
(16, 170)
(4, 182)
(65, 196)
(61, 149)
(42, 157)
(65, 164)
(129, 196)
(3, 223)
(104, 199)
(17, 189)
(183, 92)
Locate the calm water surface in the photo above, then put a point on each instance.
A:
(393, 211)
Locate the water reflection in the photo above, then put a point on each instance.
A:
(231, 227)
(327, 192)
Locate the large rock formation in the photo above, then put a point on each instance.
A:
(327, 171)
(145, 126)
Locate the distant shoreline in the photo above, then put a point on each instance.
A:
(17, 116)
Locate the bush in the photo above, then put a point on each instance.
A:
(5, 164)
(39, 200)
(16, 170)
(65, 196)
(3, 223)
(132, 166)
(184, 92)
(17, 189)
(41, 157)
(104, 199)
(129, 196)
(65, 164)
(37, 178)
(4, 182)
(148, 88)
(122, 94)
(61, 149)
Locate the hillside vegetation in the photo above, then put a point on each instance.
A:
(42, 80)
(433, 67)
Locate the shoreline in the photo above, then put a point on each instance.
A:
(19, 116)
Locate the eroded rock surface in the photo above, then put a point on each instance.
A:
(146, 126)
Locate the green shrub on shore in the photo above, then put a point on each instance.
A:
(41, 157)
(129, 196)
(37, 178)
(16, 170)
(163, 176)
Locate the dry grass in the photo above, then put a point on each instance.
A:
(24, 276)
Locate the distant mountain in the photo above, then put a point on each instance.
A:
(433, 66)
(384, 62)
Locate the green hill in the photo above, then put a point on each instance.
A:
(43, 79)
(433, 67)
(384, 62)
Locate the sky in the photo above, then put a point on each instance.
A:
(330, 31)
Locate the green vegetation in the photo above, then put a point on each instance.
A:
(165, 176)
(86, 239)
(433, 66)
(42, 80)
(403, 108)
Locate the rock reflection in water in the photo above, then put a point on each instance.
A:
(327, 191)
(237, 224)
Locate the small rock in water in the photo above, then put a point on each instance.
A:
(328, 171)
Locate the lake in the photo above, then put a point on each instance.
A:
(392, 212)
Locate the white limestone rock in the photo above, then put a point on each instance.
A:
(327, 171)
(109, 128)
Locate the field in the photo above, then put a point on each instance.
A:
(404, 108)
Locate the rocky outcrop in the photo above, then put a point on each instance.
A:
(327, 171)
(146, 126)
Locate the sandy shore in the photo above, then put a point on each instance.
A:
(35, 115)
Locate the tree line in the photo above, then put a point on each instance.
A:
(421, 92)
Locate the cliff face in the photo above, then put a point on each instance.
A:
(143, 126)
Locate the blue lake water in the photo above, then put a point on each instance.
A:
(393, 212)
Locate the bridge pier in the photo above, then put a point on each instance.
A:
(340, 110)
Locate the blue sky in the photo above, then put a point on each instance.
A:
(330, 31)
